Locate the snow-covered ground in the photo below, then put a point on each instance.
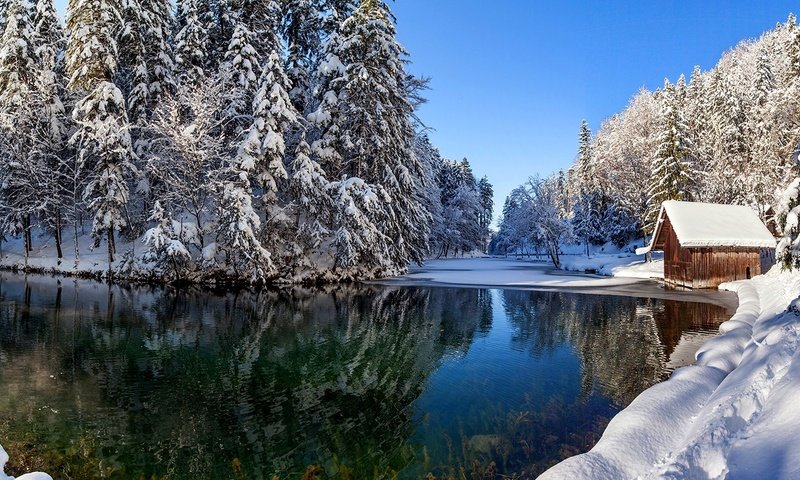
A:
(43, 257)
(629, 277)
(616, 265)
(735, 414)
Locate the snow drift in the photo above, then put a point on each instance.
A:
(732, 415)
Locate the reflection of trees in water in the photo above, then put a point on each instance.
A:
(188, 384)
(623, 342)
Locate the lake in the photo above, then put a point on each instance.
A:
(342, 382)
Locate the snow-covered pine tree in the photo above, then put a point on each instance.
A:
(259, 161)
(431, 161)
(326, 145)
(486, 193)
(17, 56)
(461, 208)
(766, 167)
(788, 216)
(163, 246)
(220, 21)
(242, 63)
(263, 152)
(160, 63)
(374, 120)
(310, 207)
(4, 7)
(263, 18)
(672, 173)
(243, 58)
(20, 193)
(192, 44)
(334, 13)
(699, 123)
(52, 129)
(359, 244)
(239, 228)
(301, 27)
(730, 145)
(587, 199)
(132, 71)
(49, 36)
(102, 139)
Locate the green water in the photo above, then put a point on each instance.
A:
(346, 382)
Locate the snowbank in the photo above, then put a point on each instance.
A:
(734, 414)
(27, 476)
(619, 265)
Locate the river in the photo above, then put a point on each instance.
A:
(356, 382)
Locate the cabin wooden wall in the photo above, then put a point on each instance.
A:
(716, 265)
(678, 269)
(709, 266)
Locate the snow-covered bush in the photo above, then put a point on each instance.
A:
(163, 246)
(788, 213)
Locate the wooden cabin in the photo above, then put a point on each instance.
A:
(706, 244)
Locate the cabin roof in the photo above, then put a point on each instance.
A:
(711, 225)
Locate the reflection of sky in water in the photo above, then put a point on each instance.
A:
(495, 372)
(473, 395)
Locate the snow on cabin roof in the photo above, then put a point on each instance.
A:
(712, 225)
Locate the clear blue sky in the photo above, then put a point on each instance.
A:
(512, 79)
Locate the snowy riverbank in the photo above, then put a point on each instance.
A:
(732, 415)
(626, 276)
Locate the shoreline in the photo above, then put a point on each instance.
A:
(553, 279)
(720, 416)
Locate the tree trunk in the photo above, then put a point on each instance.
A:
(25, 238)
(58, 235)
(75, 240)
(110, 242)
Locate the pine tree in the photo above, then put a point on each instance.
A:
(311, 206)
(243, 66)
(302, 21)
(486, 193)
(192, 43)
(586, 211)
(102, 139)
(163, 247)
(49, 36)
(51, 133)
(730, 145)
(239, 229)
(133, 72)
(788, 212)
(243, 58)
(672, 173)
(263, 152)
(17, 56)
(584, 171)
(21, 172)
(374, 125)
(766, 167)
(160, 63)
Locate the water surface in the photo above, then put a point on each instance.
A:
(345, 382)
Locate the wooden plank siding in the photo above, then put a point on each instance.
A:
(707, 267)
